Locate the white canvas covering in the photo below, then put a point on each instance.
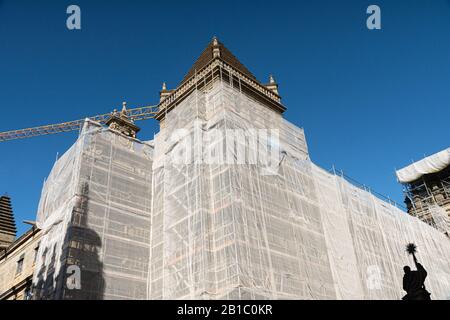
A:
(222, 230)
(431, 164)
(94, 213)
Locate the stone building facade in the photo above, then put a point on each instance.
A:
(17, 264)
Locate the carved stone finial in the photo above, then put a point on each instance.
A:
(272, 85)
(271, 79)
(164, 93)
(216, 48)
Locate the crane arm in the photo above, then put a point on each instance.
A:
(135, 114)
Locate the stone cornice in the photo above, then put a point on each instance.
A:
(218, 68)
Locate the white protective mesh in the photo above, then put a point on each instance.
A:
(440, 217)
(428, 165)
(207, 227)
(95, 214)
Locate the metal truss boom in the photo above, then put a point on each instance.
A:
(135, 114)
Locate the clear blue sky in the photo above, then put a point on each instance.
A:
(370, 101)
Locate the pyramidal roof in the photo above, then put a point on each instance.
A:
(208, 55)
(7, 223)
(217, 62)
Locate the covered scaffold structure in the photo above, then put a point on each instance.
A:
(223, 203)
(426, 184)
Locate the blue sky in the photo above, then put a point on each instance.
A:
(369, 101)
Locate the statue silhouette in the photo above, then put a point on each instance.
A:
(414, 281)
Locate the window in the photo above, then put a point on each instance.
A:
(20, 264)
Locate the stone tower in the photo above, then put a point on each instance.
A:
(7, 223)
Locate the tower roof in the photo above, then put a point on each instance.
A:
(7, 223)
(217, 62)
(209, 54)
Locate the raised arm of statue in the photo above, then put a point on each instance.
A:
(421, 269)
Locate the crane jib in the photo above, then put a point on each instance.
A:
(136, 114)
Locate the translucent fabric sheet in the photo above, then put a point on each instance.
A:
(431, 164)
(224, 203)
(95, 215)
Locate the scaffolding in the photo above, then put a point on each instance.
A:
(428, 198)
(94, 213)
(180, 217)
